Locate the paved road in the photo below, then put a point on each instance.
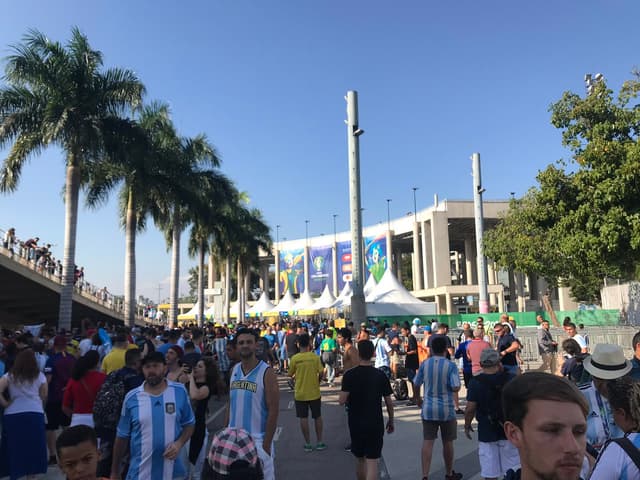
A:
(401, 452)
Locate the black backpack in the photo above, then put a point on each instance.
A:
(108, 404)
(496, 411)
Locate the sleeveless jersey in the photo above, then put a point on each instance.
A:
(247, 400)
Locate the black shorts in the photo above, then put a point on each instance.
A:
(303, 407)
(366, 444)
(56, 418)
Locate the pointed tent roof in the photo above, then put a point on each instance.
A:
(234, 310)
(209, 312)
(369, 286)
(390, 290)
(305, 302)
(286, 303)
(345, 296)
(326, 299)
(262, 305)
(191, 314)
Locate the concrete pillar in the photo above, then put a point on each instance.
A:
(427, 255)
(449, 302)
(416, 263)
(441, 301)
(470, 261)
(264, 278)
(513, 294)
(397, 260)
(334, 256)
(276, 256)
(306, 268)
(519, 277)
(501, 300)
(212, 276)
(564, 299)
(491, 274)
(440, 249)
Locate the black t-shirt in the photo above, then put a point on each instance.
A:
(436, 335)
(505, 342)
(291, 341)
(479, 392)
(411, 361)
(366, 386)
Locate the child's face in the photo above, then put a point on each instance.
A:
(79, 462)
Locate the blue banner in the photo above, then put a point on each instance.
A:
(320, 268)
(292, 271)
(375, 255)
(344, 263)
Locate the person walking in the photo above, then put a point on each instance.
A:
(547, 348)
(382, 351)
(307, 369)
(23, 448)
(156, 422)
(441, 380)
(329, 352)
(507, 347)
(475, 349)
(363, 388)
(254, 398)
(82, 389)
(484, 401)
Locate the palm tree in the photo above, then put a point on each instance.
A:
(145, 165)
(61, 95)
(210, 221)
(178, 209)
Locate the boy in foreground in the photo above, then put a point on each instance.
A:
(77, 450)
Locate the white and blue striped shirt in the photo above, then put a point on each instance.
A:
(151, 423)
(247, 400)
(440, 377)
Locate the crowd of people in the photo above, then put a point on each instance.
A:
(135, 401)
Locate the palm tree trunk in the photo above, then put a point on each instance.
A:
(240, 288)
(227, 290)
(175, 269)
(130, 262)
(201, 253)
(72, 190)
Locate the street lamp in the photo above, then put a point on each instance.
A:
(306, 233)
(334, 228)
(415, 209)
(277, 236)
(388, 215)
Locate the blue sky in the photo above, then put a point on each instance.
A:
(265, 80)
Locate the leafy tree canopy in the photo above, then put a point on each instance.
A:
(581, 223)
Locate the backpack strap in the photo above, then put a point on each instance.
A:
(630, 449)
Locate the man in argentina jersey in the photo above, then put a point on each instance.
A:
(156, 421)
(254, 399)
(441, 379)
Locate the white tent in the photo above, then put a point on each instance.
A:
(345, 296)
(369, 287)
(234, 311)
(191, 314)
(305, 302)
(210, 312)
(262, 305)
(390, 298)
(326, 299)
(286, 303)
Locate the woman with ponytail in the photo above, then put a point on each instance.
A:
(619, 459)
(82, 389)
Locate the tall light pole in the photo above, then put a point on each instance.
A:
(306, 233)
(277, 236)
(388, 215)
(415, 209)
(483, 303)
(334, 228)
(358, 307)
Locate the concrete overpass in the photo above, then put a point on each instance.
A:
(29, 297)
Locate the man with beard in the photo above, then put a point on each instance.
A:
(156, 422)
(254, 399)
(546, 420)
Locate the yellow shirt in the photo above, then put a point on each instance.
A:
(306, 367)
(115, 359)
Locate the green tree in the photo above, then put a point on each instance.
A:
(581, 224)
(61, 95)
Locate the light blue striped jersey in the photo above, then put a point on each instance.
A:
(600, 423)
(151, 423)
(439, 377)
(247, 400)
(614, 463)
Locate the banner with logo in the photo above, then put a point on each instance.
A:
(344, 263)
(320, 268)
(375, 256)
(292, 271)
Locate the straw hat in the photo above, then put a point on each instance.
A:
(607, 362)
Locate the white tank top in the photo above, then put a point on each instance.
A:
(247, 400)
